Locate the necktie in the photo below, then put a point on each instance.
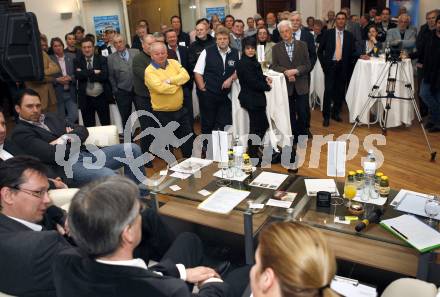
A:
(338, 52)
(124, 56)
(89, 64)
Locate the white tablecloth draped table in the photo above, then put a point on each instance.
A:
(277, 111)
(365, 75)
(317, 85)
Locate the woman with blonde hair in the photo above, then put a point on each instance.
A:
(292, 260)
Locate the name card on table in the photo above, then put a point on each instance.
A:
(220, 146)
(336, 158)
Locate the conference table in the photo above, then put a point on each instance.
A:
(366, 74)
(374, 247)
(277, 112)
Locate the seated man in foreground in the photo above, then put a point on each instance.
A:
(27, 249)
(38, 135)
(105, 221)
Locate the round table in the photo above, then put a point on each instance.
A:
(277, 112)
(365, 75)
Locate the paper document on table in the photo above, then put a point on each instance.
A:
(349, 287)
(191, 165)
(223, 200)
(220, 146)
(314, 186)
(336, 158)
(269, 180)
(414, 231)
(412, 202)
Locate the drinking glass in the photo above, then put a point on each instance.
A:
(349, 192)
(432, 207)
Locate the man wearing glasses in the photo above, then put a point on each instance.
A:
(33, 232)
(25, 249)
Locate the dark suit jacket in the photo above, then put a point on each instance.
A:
(27, 257)
(184, 37)
(300, 61)
(308, 38)
(70, 70)
(184, 61)
(327, 48)
(34, 141)
(76, 275)
(83, 76)
(252, 82)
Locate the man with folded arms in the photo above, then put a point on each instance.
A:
(105, 222)
(165, 79)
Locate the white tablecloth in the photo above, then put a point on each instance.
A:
(277, 111)
(365, 75)
(317, 85)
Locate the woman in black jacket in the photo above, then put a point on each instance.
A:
(252, 97)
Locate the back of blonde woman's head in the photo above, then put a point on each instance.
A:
(300, 257)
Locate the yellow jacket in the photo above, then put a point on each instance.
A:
(166, 96)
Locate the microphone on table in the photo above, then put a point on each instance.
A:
(372, 218)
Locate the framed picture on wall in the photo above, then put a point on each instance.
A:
(103, 22)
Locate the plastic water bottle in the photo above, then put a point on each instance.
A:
(238, 157)
(370, 171)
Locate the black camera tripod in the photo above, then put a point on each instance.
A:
(391, 76)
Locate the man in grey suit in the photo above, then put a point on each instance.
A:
(402, 36)
(291, 57)
(120, 74)
(354, 29)
(65, 83)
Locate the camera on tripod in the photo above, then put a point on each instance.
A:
(393, 53)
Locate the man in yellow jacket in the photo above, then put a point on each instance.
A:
(164, 79)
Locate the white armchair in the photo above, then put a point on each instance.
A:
(410, 287)
(103, 135)
(5, 295)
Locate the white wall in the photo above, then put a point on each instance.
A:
(51, 24)
(424, 7)
(307, 8)
(355, 7)
(48, 15)
(93, 8)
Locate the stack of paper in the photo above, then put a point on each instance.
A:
(223, 200)
(314, 186)
(269, 180)
(352, 288)
(191, 165)
(413, 231)
(411, 202)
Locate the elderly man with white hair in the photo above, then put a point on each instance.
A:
(291, 57)
(403, 36)
(164, 79)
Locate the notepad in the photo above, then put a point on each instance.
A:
(269, 180)
(223, 200)
(416, 233)
(314, 186)
(191, 165)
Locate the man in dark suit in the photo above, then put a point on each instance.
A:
(41, 135)
(336, 53)
(180, 53)
(107, 48)
(27, 249)
(303, 34)
(105, 221)
(385, 24)
(182, 37)
(271, 22)
(94, 90)
(143, 98)
(291, 57)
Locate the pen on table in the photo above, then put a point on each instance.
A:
(403, 235)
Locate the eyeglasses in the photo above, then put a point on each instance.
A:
(36, 194)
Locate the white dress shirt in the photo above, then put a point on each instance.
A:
(30, 225)
(4, 155)
(139, 263)
(336, 40)
(297, 35)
